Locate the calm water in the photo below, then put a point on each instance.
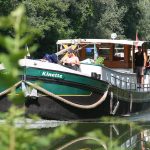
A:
(99, 135)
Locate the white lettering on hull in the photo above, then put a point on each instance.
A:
(52, 75)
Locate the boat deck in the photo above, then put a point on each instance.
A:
(129, 85)
(123, 79)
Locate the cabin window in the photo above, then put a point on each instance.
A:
(90, 52)
(119, 53)
(104, 52)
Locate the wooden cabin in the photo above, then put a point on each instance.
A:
(114, 57)
(116, 53)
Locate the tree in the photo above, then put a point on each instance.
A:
(14, 137)
(7, 6)
(111, 19)
(131, 17)
(50, 19)
(96, 18)
(144, 20)
(61, 19)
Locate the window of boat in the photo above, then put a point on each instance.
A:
(119, 52)
(104, 52)
(90, 52)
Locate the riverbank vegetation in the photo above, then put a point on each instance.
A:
(62, 19)
(52, 19)
(14, 128)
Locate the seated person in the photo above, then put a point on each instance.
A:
(50, 58)
(71, 60)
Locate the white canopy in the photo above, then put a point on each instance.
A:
(99, 41)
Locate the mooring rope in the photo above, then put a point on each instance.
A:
(9, 89)
(67, 101)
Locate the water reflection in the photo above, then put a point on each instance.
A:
(140, 141)
(102, 136)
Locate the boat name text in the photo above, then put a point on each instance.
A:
(53, 75)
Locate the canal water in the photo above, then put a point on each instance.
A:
(129, 133)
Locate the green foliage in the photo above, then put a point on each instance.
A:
(111, 19)
(103, 142)
(97, 19)
(14, 134)
(65, 19)
(49, 17)
(7, 6)
(99, 61)
(14, 45)
(131, 17)
(144, 22)
(14, 138)
(54, 19)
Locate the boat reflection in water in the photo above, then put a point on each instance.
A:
(140, 141)
(102, 136)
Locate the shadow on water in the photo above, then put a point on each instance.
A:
(108, 133)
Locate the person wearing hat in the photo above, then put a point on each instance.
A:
(71, 61)
(140, 64)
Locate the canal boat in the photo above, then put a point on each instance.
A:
(117, 69)
(53, 91)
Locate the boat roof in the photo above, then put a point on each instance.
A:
(100, 41)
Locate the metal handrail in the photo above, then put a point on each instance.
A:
(128, 85)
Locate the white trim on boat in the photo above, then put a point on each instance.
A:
(47, 65)
(99, 41)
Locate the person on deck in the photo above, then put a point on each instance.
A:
(50, 58)
(147, 70)
(140, 64)
(71, 60)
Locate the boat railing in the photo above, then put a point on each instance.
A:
(123, 80)
(122, 84)
(129, 85)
